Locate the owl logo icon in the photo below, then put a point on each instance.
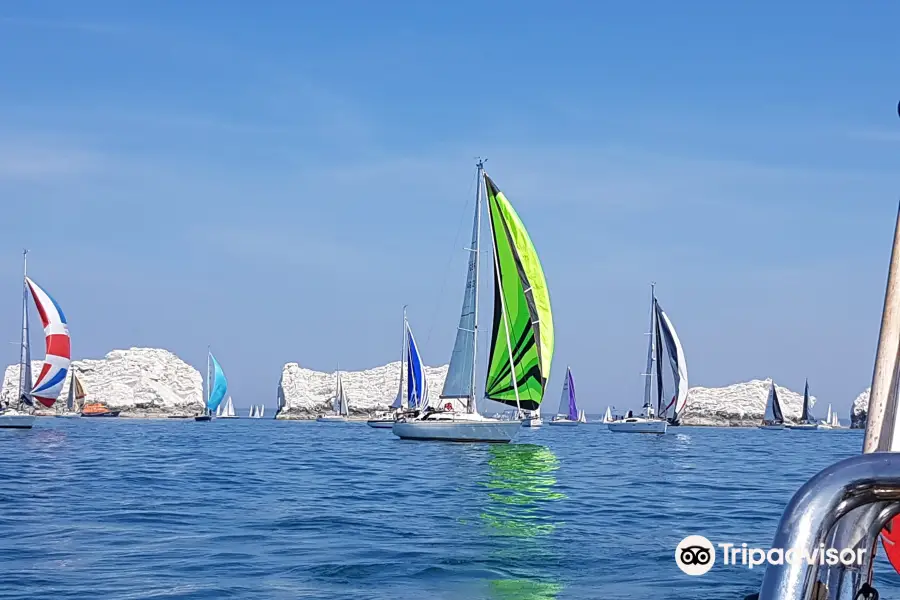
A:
(695, 555)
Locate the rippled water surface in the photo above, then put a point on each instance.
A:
(258, 509)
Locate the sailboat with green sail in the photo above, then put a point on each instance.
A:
(521, 343)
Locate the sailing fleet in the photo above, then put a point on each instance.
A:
(516, 368)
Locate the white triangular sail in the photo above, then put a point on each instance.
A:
(563, 409)
(607, 416)
(676, 360)
(340, 405)
(253, 411)
(262, 410)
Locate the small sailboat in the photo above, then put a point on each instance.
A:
(226, 411)
(773, 417)
(662, 338)
(567, 414)
(253, 412)
(215, 390)
(75, 394)
(835, 422)
(46, 390)
(340, 404)
(257, 411)
(416, 383)
(607, 416)
(807, 422)
(521, 345)
(582, 417)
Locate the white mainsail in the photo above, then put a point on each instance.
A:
(340, 405)
(607, 416)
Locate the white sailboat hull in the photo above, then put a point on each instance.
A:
(639, 425)
(332, 419)
(771, 427)
(806, 427)
(16, 421)
(564, 423)
(532, 422)
(381, 423)
(458, 427)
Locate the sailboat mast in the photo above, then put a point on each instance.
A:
(24, 350)
(206, 403)
(402, 357)
(512, 362)
(472, 405)
(648, 382)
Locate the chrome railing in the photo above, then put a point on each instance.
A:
(858, 495)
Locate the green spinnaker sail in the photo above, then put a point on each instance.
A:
(522, 287)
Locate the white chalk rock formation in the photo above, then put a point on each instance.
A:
(859, 412)
(140, 382)
(304, 393)
(740, 404)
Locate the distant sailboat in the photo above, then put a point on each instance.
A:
(253, 412)
(340, 405)
(262, 411)
(215, 390)
(567, 414)
(607, 416)
(416, 398)
(521, 345)
(582, 417)
(226, 411)
(835, 422)
(74, 395)
(773, 417)
(50, 381)
(807, 422)
(662, 339)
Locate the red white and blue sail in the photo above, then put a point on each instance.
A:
(50, 381)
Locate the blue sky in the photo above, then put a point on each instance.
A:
(278, 180)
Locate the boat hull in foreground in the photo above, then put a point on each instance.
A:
(331, 419)
(460, 427)
(639, 425)
(203, 418)
(805, 427)
(564, 423)
(16, 421)
(381, 423)
(532, 422)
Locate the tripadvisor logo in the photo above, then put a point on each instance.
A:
(695, 555)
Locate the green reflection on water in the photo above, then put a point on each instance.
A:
(520, 482)
(521, 478)
(524, 589)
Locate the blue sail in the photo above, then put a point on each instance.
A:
(219, 386)
(416, 384)
(573, 410)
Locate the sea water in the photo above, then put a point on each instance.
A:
(259, 509)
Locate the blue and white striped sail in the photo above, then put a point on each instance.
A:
(219, 385)
(416, 383)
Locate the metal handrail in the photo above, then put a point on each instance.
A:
(816, 509)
